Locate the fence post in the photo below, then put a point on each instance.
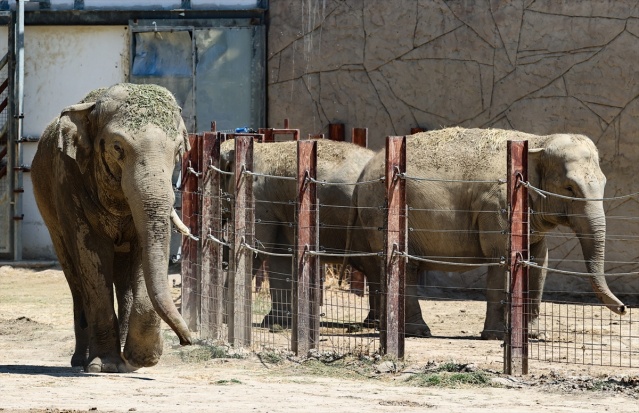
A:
(516, 345)
(359, 136)
(393, 286)
(305, 334)
(336, 132)
(241, 268)
(212, 299)
(190, 270)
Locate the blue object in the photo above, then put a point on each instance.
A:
(244, 129)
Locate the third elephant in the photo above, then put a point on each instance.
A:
(457, 212)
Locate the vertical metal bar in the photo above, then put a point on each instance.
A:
(336, 132)
(212, 279)
(306, 278)
(240, 315)
(190, 212)
(392, 333)
(359, 136)
(19, 99)
(516, 361)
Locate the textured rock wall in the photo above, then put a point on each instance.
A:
(540, 66)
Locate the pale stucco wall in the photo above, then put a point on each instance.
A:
(536, 66)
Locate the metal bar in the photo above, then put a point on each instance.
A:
(270, 133)
(4, 103)
(359, 136)
(4, 61)
(240, 307)
(316, 136)
(305, 331)
(212, 279)
(392, 332)
(190, 211)
(336, 132)
(516, 345)
(19, 103)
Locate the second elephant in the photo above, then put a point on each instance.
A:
(338, 163)
(457, 221)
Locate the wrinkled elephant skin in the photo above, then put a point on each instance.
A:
(463, 222)
(102, 181)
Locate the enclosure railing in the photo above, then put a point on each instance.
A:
(219, 264)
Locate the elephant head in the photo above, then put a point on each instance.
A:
(568, 165)
(126, 140)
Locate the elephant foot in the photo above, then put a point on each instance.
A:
(277, 319)
(415, 326)
(109, 365)
(492, 335)
(371, 322)
(78, 360)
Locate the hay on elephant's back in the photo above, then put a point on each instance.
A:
(460, 149)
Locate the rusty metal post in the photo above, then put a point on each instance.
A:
(241, 268)
(359, 136)
(516, 345)
(305, 334)
(336, 132)
(393, 285)
(190, 270)
(212, 300)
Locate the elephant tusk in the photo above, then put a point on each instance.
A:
(184, 230)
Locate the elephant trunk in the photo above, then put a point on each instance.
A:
(593, 239)
(151, 211)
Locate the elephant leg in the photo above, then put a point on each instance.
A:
(144, 345)
(80, 323)
(415, 326)
(536, 281)
(372, 268)
(496, 297)
(280, 286)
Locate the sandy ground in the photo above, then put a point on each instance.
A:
(36, 343)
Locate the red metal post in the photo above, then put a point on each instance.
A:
(190, 307)
(212, 300)
(315, 136)
(516, 346)
(393, 286)
(359, 136)
(336, 132)
(241, 268)
(305, 334)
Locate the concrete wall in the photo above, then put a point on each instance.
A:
(61, 65)
(536, 66)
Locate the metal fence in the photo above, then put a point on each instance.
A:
(230, 290)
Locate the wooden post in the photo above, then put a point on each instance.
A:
(393, 286)
(359, 136)
(305, 334)
(190, 270)
(516, 345)
(240, 275)
(336, 132)
(212, 301)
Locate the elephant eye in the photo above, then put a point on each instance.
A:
(118, 148)
(569, 189)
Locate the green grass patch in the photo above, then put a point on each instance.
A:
(203, 352)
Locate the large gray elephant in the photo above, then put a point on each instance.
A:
(102, 181)
(338, 163)
(463, 222)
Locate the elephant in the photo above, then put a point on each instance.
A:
(338, 163)
(102, 182)
(466, 222)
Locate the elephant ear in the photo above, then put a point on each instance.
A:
(74, 138)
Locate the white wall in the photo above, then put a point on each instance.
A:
(62, 64)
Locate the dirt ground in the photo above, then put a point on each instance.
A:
(36, 343)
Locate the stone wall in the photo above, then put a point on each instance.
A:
(540, 66)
